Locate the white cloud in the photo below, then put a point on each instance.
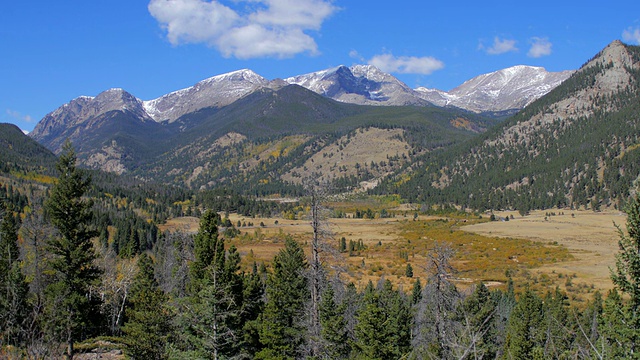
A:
(500, 46)
(18, 116)
(265, 28)
(631, 35)
(406, 64)
(354, 54)
(539, 47)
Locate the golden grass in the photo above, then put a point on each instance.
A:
(391, 243)
(590, 237)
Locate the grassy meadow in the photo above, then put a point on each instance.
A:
(572, 250)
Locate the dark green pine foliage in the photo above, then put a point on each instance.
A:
(416, 293)
(333, 326)
(13, 288)
(524, 339)
(626, 279)
(558, 327)
(147, 329)
(252, 307)
(383, 330)
(208, 250)
(71, 309)
(281, 324)
(478, 331)
(210, 320)
(409, 271)
(613, 326)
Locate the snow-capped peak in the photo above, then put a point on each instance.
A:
(216, 91)
(506, 89)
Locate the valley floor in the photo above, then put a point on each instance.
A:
(590, 237)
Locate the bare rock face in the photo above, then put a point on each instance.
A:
(359, 84)
(85, 108)
(507, 89)
(216, 91)
(108, 159)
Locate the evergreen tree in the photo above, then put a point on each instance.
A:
(70, 306)
(384, 323)
(147, 329)
(524, 336)
(281, 329)
(626, 278)
(13, 288)
(210, 319)
(476, 313)
(558, 327)
(208, 250)
(334, 331)
(409, 271)
(416, 293)
(252, 307)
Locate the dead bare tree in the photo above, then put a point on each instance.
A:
(114, 287)
(317, 193)
(35, 232)
(434, 327)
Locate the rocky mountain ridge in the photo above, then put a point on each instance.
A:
(507, 89)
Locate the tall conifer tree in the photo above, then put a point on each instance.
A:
(70, 306)
(281, 330)
(147, 329)
(13, 288)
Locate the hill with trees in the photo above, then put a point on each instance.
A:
(575, 147)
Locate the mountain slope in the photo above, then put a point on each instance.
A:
(577, 146)
(359, 84)
(508, 89)
(261, 137)
(217, 91)
(18, 152)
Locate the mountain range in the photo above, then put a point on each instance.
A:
(505, 90)
(571, 143)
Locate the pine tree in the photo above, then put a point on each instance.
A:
(211, 319)
(147, 329)
(208, 250)
(416, 292)
(384, 323)
(524, 335)
(252, 307)
(334, 331)
(13, 288)
(626, 278)
(70, 307)
(476, 313)
(409, 271)
(281, 328)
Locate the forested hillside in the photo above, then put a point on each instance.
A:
(186, 296)
(575, 147)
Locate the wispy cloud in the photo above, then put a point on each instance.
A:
(500, 46)
(354, 54)
(406, 64)
(16, 115)
(264, 28)
(631, 35)
(539, 47)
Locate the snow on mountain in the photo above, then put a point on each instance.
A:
(359, 84)
(82, 108)
(216, 91)
(511, 88)
(506, 89)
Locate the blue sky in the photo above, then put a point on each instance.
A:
(54, 51)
